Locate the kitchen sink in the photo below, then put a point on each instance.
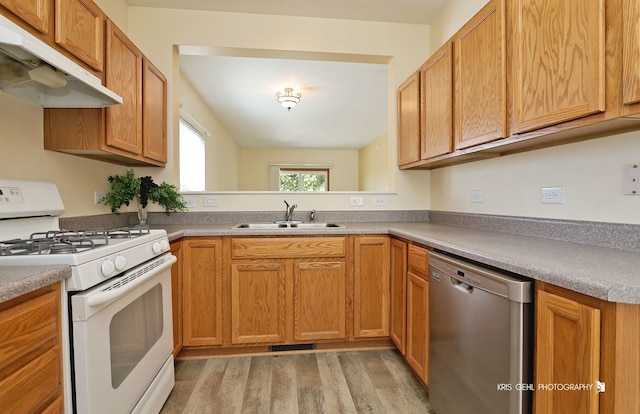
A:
(287, 225)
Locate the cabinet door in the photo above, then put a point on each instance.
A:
(176, 297)
(409, 120)
(567, 352)
(258, 302)
(38, 13)
(202, 292)
(418, 325)
(480, 78)
(631, 52)
(436, 81)
(80, 30)
(371, 287)
(559, 62)
(398, 295)
(319, 300)
(124, 76)
(154, 113)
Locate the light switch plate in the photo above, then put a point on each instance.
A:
(631, 179)
(211, 201)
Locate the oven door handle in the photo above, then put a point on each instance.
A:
(99, 298)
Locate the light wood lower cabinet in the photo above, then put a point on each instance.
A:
(371, 287)
(202, 291)
(258, 302)
(582, 340)
(417, 355)
(398, 295)
(286, 290)
(30, 353)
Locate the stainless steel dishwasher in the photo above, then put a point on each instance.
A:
(480, 353)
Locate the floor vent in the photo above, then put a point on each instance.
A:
(296, 347)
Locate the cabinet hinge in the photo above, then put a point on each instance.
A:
(600, 386)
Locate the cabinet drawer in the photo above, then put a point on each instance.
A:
(284, 247)
(418, 259)
(28, 326)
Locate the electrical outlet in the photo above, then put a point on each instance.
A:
(357, 201)
(552, 195)
(98, 195)
(211, 201)
(379, 201)
(477, 196)
(189, 201)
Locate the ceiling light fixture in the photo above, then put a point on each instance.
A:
(288, 100)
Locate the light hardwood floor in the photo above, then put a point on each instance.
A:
(372, 381)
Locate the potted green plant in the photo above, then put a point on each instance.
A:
(125, 188)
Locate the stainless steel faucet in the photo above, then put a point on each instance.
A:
(289, 213)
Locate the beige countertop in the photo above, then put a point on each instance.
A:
(604, 273)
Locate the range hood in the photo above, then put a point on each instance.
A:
(34, 71)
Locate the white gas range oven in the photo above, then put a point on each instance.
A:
(116, 305)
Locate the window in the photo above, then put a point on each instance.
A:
(192, 154)
(304, 179)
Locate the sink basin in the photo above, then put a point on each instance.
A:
(287, 225)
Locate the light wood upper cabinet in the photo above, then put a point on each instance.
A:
(409, 120)
(124, 77)
(154, 113)
(371, 287)
(80, 30)
(37, 13)
(202, 291)
(559, 50)
(480, 78)
(631, 53)
(133, 133)
(436, 83)
(398, 295)
(30, 353)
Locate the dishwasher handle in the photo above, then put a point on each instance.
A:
(462, 286)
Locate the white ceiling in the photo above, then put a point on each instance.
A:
(343, 105)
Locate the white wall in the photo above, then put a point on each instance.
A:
(590, 171)
(372, 165)
(408, 45)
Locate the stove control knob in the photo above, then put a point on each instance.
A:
(160, 246)
(107, 267)
(121, 262)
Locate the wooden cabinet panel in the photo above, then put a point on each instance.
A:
(436, 83)
(371, 287)
(30, 352)
(560, 71)
(480, 78)
(631, 51)
(398, 295)
(154, 113)
(287, 247)
(319, 300)
(258, 302)
(409, 120)
(124, 77)
(37, 13)
(417, 355)
(80, 30)
(176, 297)
(567, 352)
(202, 291)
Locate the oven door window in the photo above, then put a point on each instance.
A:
(133, 332)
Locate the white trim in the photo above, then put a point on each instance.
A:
(191, 121)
